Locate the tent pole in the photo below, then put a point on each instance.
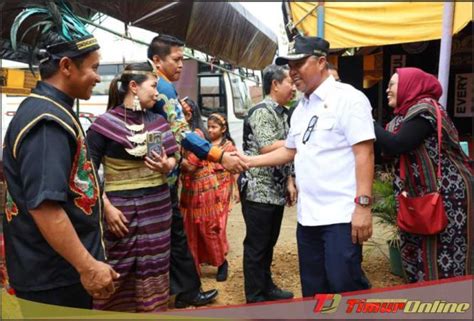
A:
(445, 50)
(321, 19)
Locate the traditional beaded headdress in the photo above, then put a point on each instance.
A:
(219, 117)
(58, 32)
(143, 72)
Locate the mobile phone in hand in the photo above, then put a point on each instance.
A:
(154, 143)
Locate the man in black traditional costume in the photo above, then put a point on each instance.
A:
(52, 222)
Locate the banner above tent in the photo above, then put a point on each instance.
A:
(362, 24)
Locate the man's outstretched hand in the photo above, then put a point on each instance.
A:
(233, 162)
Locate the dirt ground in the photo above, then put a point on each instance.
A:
(285, 260)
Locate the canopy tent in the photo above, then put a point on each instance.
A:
(361, 24)
(224, 30)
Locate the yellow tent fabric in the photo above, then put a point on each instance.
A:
(361, 24)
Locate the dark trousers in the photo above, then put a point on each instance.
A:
(263, 222)
(73, 296)
(329, 261)
(184, 278)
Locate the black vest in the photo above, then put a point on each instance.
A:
(31, 262)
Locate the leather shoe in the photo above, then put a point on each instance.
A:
(222, 272)
(257, 299)
(278, 294)
(202, 298)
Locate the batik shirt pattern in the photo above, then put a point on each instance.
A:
(267, 123)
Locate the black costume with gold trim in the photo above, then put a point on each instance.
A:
(46, 159)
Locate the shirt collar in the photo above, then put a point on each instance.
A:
(322, 91)
(279, 109)
(43, 88)
(161, 75)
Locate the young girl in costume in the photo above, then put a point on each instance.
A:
(199, 204)
(219, 135)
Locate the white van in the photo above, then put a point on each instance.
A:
(213, 90)
(219, 91)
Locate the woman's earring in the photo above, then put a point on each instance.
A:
(136, 104)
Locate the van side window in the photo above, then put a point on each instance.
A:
(211, 94)
(240, 96)
(107, 73)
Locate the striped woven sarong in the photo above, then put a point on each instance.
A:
(142, 257)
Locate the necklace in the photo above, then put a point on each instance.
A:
(137, 137)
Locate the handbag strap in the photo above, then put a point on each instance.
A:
(439, 126)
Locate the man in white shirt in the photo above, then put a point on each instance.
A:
(331, 142)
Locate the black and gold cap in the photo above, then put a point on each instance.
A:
(69, 49)
(303, 47)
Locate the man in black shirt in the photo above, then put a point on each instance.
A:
(52, 222)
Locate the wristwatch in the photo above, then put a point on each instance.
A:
(363, 200)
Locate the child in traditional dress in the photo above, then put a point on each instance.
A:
(199, 200)
(219, 135)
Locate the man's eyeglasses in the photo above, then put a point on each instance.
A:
(309, 129)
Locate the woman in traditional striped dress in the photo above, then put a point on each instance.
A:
(413, 134)
(137, 198)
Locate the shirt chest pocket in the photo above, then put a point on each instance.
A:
(325, 123)
(324, 132)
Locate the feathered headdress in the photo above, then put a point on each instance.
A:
(59, 33)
